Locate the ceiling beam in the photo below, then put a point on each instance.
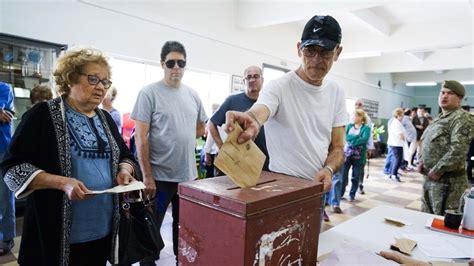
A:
(420, 55)
(253, 14)
(373, 22)
(461, 58)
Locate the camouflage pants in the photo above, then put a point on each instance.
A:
(433, 194)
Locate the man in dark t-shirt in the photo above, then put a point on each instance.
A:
(253, 81)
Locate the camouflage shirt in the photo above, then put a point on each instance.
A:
(445, 142)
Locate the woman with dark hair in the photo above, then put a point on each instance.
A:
(61, 150)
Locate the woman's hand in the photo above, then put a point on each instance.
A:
(124, 177)
(75, 189)
(402, 136)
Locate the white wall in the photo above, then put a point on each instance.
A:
(207, 29)
(78, 23)
(348, 73)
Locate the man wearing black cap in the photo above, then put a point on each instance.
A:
(444, 145)
(306, 113)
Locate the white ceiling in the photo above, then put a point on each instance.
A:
(407, 36)
(432, 37)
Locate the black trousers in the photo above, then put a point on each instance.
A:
(92, 253)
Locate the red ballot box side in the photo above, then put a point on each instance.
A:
(275, 223)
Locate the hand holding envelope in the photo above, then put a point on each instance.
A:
(242, 163)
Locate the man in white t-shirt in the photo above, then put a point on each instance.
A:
(305, 113)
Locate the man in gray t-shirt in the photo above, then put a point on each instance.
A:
(169, 116)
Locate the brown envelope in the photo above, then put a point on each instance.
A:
(404, 245)
(240, 162)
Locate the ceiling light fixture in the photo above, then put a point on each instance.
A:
(413, 84)
(469, 82)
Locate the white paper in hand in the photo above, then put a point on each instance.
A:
(135, 185)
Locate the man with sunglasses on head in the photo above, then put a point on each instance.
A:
(304, 109)
(169, 116)
(253, 81)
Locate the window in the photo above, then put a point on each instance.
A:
(271, 72)
(211, 87)
(350, 105)
(129, 77)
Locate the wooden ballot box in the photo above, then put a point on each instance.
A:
(276, 222)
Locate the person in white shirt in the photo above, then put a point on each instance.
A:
(396, 140)
(210, 148)
(305, 113)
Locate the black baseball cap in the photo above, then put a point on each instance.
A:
(323, 31)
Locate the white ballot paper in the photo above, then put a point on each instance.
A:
(438, 246)
(350, 254)
(135, 185)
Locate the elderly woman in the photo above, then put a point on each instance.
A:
(355, 151)
(107, 105)
(396, 140)
(61, 150)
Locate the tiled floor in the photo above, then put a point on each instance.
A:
(379, 189)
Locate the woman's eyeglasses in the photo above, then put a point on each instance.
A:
(171, 63)
(312, 50)
(94, 80)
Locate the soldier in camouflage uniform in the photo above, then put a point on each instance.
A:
(443, 156)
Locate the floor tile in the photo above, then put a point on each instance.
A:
(394, 200)
(402, 194)
(415, 205)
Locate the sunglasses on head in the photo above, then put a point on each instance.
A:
(172, 63)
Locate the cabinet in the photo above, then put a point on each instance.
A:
(25, 63)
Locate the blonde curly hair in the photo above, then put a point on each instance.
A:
(71, 64)
(361, 113)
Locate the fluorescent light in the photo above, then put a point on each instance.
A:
(359, 55)
(412, 84)
(469, 82)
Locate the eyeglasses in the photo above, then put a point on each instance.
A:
(312, 50)
(255, 76)
(172, 63)
(94, 80)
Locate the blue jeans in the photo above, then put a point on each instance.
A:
(357, 166)
(396, 160)
(7, 210)
(388, 161)
(336, 188)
